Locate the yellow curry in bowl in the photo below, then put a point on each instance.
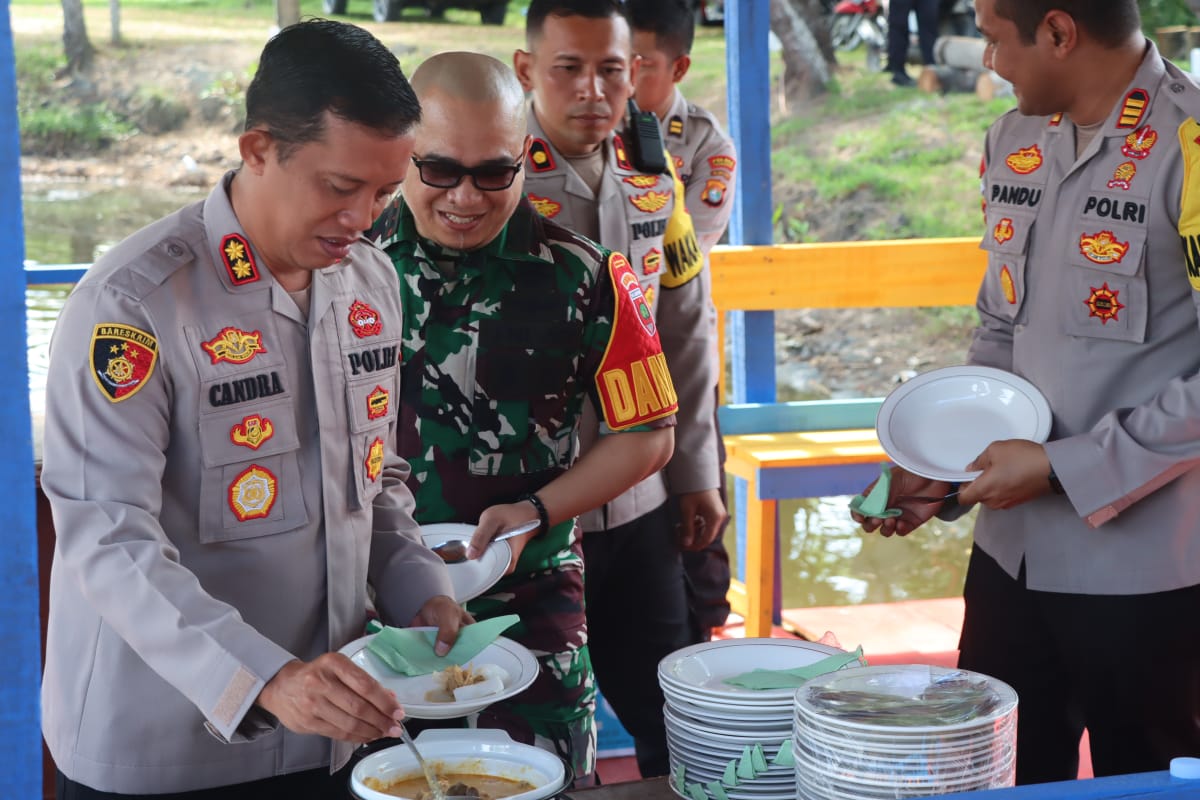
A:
(485, 787)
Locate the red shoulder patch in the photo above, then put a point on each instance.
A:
(633, 381)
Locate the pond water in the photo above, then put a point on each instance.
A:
(825, 559)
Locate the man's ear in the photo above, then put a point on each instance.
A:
(635, 64)
(523, 66)
(1061, 30)
(255, 147)
(525, 147)
(680, 67)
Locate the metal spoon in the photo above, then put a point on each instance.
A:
(912, 498)
(454, 551)
(435, 788)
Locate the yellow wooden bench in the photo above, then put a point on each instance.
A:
(819, 448)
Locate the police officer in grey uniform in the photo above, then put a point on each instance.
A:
(1084, 582)
(581, 172)
(219, 457)
(705, 160)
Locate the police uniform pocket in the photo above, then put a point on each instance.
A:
(1006, 242)
(1105, 286)
(366, 462)
(251, 498)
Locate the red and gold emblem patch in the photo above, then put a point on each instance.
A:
(234, 345)
(1133, 108)
(1003, 231)
(377, 403)
(1056, 119)
(1103, 303)
(1007, 285)
(374, 461)
(545, 206)
(629, 282)
(123, 359)
(252, 431)
(652, 261)
(619, 152)
(675, 126)
(252, 493)
(726, 163)
(540, 159)
(650, 201)
(1123, 176)
(1139, 143)
(642, 181)
(238, 259)
(1025, 160)
(1102, 248)
(678, 163)
(364, 320)
(714, 192)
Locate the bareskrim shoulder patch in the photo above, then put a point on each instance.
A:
(123, 359)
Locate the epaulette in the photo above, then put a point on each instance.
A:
(136, 271)
(1183, 91)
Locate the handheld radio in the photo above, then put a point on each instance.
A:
(647, 144)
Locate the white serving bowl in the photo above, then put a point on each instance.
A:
(473, 751)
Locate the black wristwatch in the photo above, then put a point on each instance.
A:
(1055, 484)
(540, 508)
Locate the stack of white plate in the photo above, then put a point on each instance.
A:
(850, 743)
(710, 723)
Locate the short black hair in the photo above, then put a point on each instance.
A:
(673, 23)
(320, 65)
(535, 18)
(1109, 22)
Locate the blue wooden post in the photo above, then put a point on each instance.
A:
(751, 333)
(20, 652)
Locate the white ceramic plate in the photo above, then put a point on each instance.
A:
(938, 422)
(477, 751)
(697, 673)
(515, 659)
(472, 577)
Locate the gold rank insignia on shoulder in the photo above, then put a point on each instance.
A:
(364, 320)
(374, 460)
(123, 359)
(234, 345)
(252, 493)
(238, 259)
(1133, 108)
(675, 126)
(540, 159)
(620, 154)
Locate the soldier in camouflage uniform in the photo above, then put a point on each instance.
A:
(511, 321)
(704, 158)
(585, 173)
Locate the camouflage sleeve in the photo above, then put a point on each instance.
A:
(710, 188)
(631, 385)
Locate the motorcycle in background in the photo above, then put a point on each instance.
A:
(859, 22)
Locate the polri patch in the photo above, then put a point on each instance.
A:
(123, 359)
(1025, 160)
(238, 259)
(252, 493)
(364, 320)
(1123, 176)
(649, 202)
(714, 192)
(540, 158)
(652, 261)
(377, 403)
(1003, 231)
(642, 181)
(1102, 248)
(1139, 143)
(545, 206)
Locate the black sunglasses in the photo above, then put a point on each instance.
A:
(442, 174)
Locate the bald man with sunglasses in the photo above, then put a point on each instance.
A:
(510, 322)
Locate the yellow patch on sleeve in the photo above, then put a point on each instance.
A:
(1189, 201)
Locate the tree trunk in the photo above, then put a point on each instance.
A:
(114, 18)
(806, 65)
(287, 12)
(78, 47)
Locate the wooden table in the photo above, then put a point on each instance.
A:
(1156, 785)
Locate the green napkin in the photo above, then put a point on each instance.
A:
(875, 503)
(410, 652)
(758, 679)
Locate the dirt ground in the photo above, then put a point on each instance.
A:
(821, 353)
